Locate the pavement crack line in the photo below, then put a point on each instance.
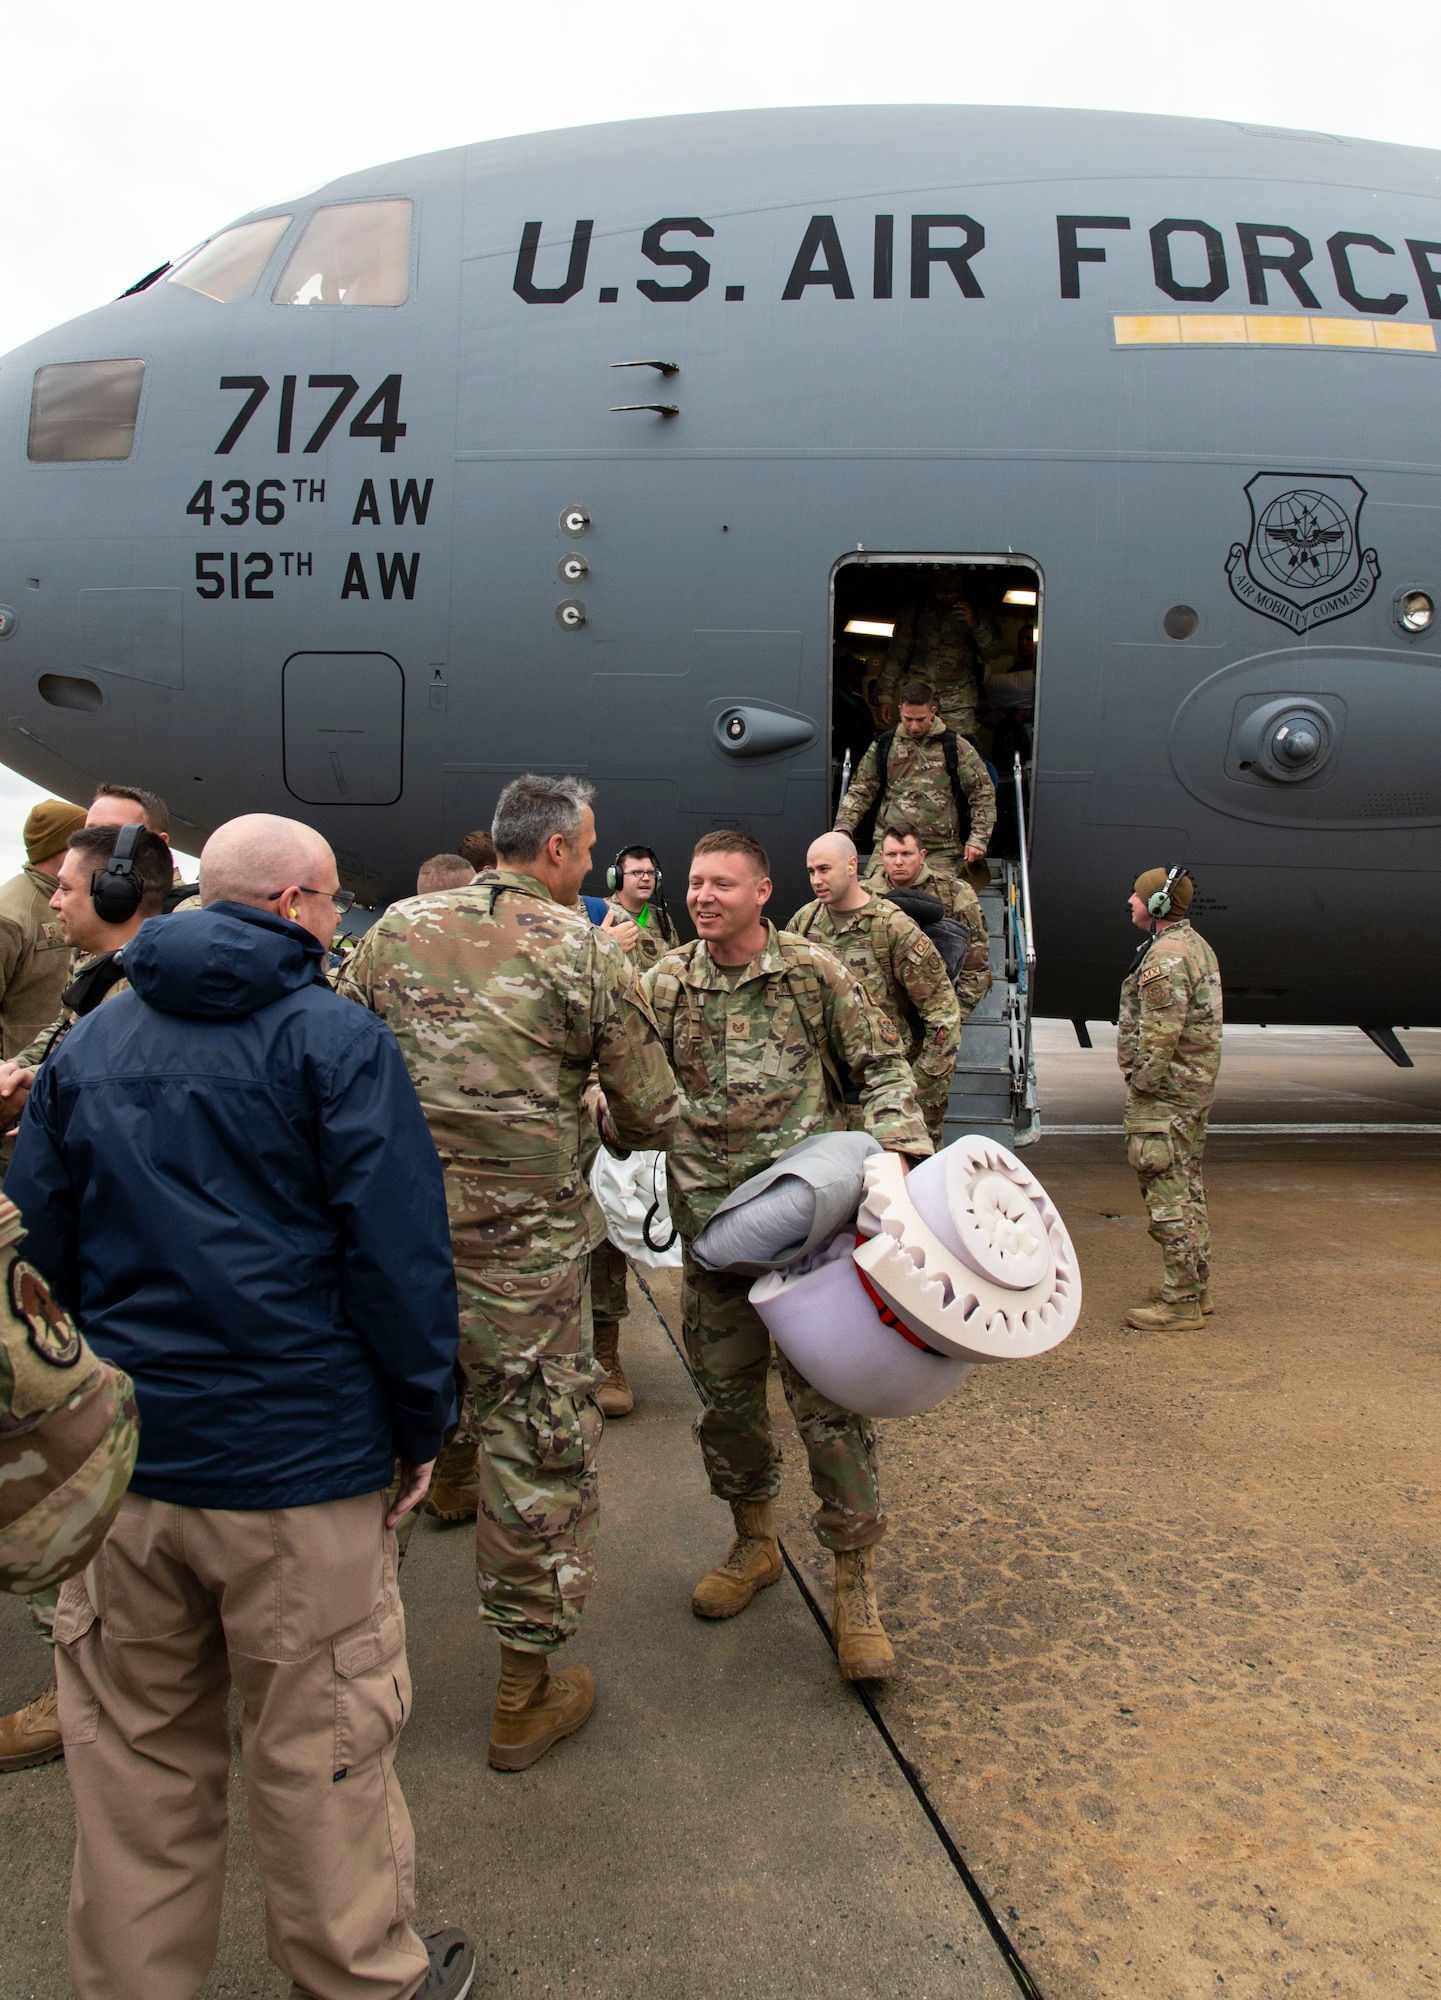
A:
(1014, 1963)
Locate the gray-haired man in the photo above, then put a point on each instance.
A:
(503, 995)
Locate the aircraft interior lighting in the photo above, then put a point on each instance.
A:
(1020, 597)
(870, 628)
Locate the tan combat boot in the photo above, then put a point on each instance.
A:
(862, 1648)
(535, 1708)
(455, 1490)
(32, 1734)
(754, 1561)
(614, 1394)
(1205, 1299)
(1167, 1316)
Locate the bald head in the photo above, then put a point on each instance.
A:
(833, 866)
(836, 847)
(272, 864)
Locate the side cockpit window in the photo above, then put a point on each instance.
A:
(356, 253)
(84, 410)
(228, 265)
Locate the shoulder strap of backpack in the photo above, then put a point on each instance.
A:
(883, 764)
(804, 985)
(951, 752)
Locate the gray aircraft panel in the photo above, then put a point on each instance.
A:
(1167, 362)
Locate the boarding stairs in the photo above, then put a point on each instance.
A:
(993, 1091)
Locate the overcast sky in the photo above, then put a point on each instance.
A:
(129, 133)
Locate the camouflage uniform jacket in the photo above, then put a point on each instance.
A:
(657, 937)
(502, 1001)
(959, 900)
(69, 1431)
(918, 790)
(34, 959)
(930, 643)
(759, 1065)
(900, 969)
(1169, 1034)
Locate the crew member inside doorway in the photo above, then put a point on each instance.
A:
(970, 630)
(925, 776)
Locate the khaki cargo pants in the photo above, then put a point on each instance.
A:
(1166, 1159)
(296, 1608)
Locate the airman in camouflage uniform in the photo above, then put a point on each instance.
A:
(96, 979)
(34, 951)
(956, 897)
(900, 969)
(1169, 1048)
(69, 1432)
(918, 791)
(759, 1050)
(938, 638)
(502, 997)
(652, 935)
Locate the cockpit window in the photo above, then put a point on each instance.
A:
(228, 265)
(84, 409)
(354, 254)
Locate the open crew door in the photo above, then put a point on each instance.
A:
(895, 619)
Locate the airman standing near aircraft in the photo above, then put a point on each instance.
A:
(901, 862)
(69, 1433)
(635, 901)
(925, 775)
(1169, 1049)
(34, 960)
(940, 639)
(761, 1026)
(634, 880)
(503, 996)
(31, 1735)
(896, 963)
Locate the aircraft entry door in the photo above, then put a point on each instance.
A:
(894, 619)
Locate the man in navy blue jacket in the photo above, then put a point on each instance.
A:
(227, 1178)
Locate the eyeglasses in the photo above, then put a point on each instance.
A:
(343, 899)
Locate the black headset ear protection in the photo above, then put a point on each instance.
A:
(615, 874)
(117, 891)
(1158, 904)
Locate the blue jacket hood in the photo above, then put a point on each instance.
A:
(222, 962)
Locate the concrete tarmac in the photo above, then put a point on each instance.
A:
(729, 1824)
(1167, 1607)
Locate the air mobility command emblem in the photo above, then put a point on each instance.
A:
(1303, 563)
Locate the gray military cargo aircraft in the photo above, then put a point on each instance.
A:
(382, 495)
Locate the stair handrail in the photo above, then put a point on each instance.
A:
(1027, 932)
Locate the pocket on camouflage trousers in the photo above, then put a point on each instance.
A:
(561, 1414)
(1150, 1153)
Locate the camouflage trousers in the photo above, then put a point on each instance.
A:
(933, 1094)
(1167, 1162)
(528, 1402)
(958, 715)
(608, 1270)
(729, 1352)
